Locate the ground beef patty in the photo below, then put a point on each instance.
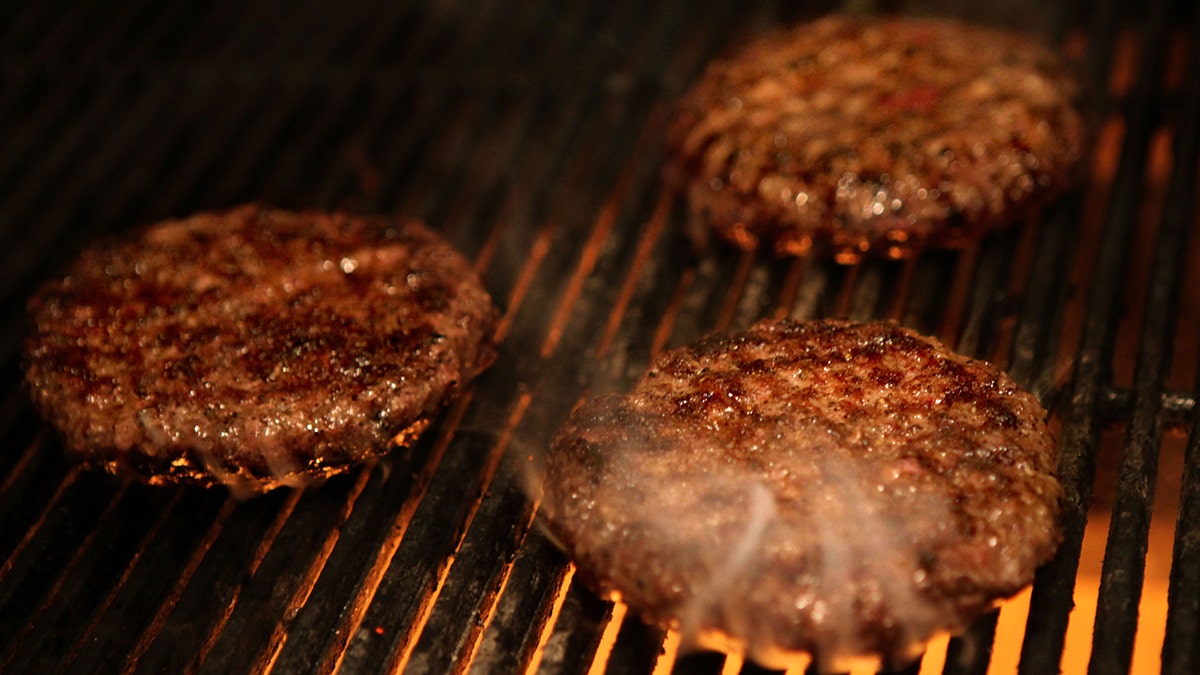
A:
(255, 347)
(877, 135)
(841, 489)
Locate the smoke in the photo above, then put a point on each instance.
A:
(823, 552)
(744, 555)
(873, 559)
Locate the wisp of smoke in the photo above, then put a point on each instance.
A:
(766, 559)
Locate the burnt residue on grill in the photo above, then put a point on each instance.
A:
(530, 135)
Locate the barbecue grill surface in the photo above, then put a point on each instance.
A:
(530, 134)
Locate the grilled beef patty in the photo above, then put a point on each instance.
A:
(875, 135)
(255, 347)
(840, 489)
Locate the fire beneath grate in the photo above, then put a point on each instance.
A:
(529, 134)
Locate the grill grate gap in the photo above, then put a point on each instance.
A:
(324, 627)
(204, 604)
(1043, 301)
(66, 589)
(434, 533)
(538, 577)
(172, 561)
(267, 604)
(1052, 591)
(1125, 552)
(528, 134)
(165, 513)
(482, 566)
(1179, 653)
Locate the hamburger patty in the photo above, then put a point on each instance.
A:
(841, 489)
(255, 347)
(875, 135)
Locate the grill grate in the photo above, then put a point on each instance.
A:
(528, 133)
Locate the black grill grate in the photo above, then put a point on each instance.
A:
(528, 133)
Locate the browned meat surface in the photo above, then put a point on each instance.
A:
(255, 347)
(875, 135)
(845, 490)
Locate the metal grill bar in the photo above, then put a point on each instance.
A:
(1051, 602)
(213, 589)
(1179, 654)
(158, 577)
(286, 652)
(1125, 553)
(529, 135)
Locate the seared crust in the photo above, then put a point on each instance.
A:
(255, 347)
(875, 135)
(828, 487)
